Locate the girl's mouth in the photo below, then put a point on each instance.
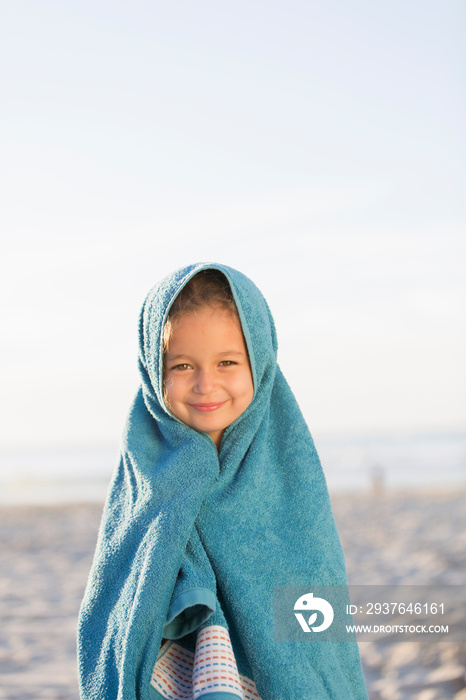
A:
(207, 407)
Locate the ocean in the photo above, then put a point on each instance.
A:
(358, 463)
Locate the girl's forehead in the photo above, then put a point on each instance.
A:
(206, 333)
(206, 317)
(211, 322)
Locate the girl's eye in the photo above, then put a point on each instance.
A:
(182, 367)
(228, 363)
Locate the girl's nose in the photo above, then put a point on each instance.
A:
(204, 382)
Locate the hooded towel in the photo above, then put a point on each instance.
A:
(192, 541)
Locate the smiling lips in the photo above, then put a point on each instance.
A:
(207, 407)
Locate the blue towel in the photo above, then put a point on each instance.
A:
(192, 540)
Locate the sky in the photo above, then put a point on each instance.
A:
(317, 147)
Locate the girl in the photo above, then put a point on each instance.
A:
(218, 498)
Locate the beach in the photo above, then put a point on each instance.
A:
(403, 538)
(389, 537)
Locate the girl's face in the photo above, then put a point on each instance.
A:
(207, 376)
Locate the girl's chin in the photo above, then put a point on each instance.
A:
(208, 426)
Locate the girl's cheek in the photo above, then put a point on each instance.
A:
(167, 389)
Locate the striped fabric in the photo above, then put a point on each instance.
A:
(183, 675)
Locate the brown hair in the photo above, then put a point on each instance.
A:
(206, 288)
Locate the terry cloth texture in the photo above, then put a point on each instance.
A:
(192, 540)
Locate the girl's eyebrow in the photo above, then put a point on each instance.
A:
(172, 358)
(232, 352)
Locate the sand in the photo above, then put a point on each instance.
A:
(400, 539)
(388, 538)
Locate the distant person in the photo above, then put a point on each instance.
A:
(218, 497)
